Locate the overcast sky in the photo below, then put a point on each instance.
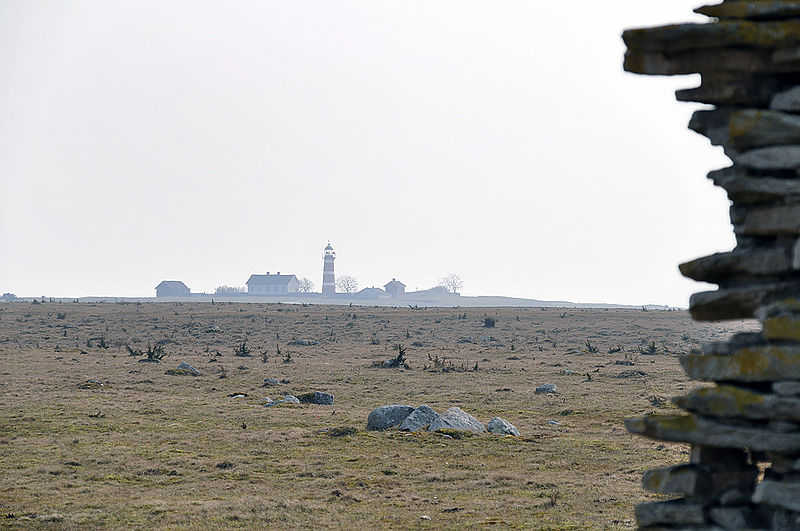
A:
(206, 141)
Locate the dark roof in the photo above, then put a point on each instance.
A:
(371, 292)
(394, 283)
(328, 247)
(174, 284)
(270, 280)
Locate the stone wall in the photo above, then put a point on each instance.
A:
(748, 56)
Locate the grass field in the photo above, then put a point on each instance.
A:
(147, 449)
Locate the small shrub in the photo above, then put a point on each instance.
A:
(489, 322)
(243, 351)
(591, 349)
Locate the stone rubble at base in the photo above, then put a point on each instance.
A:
(748, 57)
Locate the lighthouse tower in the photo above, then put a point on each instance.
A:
(328, 278)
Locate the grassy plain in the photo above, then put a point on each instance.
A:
(149, 449)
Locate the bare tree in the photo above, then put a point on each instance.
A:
(229, 290)
(306, 285)
(451, 283)
(347, 284)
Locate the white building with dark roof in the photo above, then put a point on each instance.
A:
(276, 284)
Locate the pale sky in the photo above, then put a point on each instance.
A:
(206, 141)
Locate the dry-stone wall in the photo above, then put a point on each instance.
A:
(748, 56)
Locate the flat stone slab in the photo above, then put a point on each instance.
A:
(778, 494)
(766, 363)
(719, 266)
(674, 512)
(702, 431)
(751, 10)
(546, 389)
(731, 401)
(501, 426)
(755, 128)
(686, 480)
(457, 419)
(745, 188)
(385, 417)
(788, 100)
(724, 34)
(770, 221)
(419, 419)
(770, 158)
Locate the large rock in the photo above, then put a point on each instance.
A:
(317, 397)
(502, 427)
(385, 417)
(287, 399)
(456, 419)
(546, 389)
(419, 419)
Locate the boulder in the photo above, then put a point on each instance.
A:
(268, 382)
(502, 427)
(546, 388)
(317, 397)
(385, 417)
(457, 419)
(419, 419)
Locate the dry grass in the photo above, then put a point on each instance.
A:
(148, 449)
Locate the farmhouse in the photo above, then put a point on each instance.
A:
(172, 288)
(395, 288)
(272, 284)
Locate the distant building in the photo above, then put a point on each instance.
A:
(395, 288)
(172, 288)
(272, 284)
(371, 293)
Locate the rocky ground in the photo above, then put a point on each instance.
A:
(95, 433)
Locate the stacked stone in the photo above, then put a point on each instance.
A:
(748, 57)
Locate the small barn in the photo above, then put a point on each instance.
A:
(172, 288)
(395, 288)
(269, 284)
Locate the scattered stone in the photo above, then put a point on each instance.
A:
(553, 422)
(546, 388)
(385, 417)
(631, 374)
(502, 427)
(317, 397)
(456, 419)
(342, 431)
(269, 382)
(287, 399)
(237, 395)
(91, 384)
(304, 342)
(419, 419)
(184, 369)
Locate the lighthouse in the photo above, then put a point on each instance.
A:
(328, 278)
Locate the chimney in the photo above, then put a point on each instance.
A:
(279, 272)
